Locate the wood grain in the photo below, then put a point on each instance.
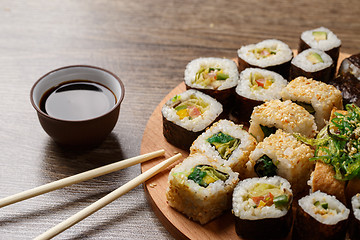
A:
(147, 44)
(177, 224)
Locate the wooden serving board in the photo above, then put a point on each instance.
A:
(176, 223)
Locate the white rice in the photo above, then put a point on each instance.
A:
(213, 110)
(244, 87)
(283, 53)
(228, 66)
(239, 156)
(300, 60)
(331, 42)
(355, 204)
(243, 206)
(337, 213)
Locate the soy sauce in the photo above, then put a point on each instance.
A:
(77, 100)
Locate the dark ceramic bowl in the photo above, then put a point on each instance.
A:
(90, 131)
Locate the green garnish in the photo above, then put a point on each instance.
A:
(281, 200)
(205, 174)
(265, 167)
(267, 130)
(224, 144)
(338, 144)
(324, 205)
(222, 76)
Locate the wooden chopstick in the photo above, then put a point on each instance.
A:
(52, 232)
(79, 178)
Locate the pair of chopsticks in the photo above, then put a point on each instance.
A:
(86, 176)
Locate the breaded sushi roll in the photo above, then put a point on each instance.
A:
(201, 188)
(316, 97)
(216, 77)
(286, 115)
(323, 39)
(312, 63)
(283, 155)
(354, 226)
(228, 143)
(262, 208)
(256, 86)
(186, 115)
(320, 216)
(270, 54)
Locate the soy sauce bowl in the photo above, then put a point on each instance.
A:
(89, 131)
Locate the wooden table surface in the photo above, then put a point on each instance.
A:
(147, 44)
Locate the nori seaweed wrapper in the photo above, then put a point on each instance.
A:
(324, 75)
(243, 109)
(349, 86)
(307, 227)
(282, 69)
(354, 227)
(225, 96)
(179, 136)
(267, 228)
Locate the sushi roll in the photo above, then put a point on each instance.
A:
(323, 39)
(262, 208)
(186, 115)
(354, 226)
(283, 155)
(201, 188)
(312, 63)
(316, 97)
(286, 115)
(256, 86)
(320, 216)
(228, 143)
(351, 65)
(270, 54)
(348, 80)
(216, 77)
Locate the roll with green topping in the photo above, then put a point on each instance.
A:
(201, 188)
(227, 142)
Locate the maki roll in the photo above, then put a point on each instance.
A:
(348, 79)
(283, 155)
(312, 63)
(320, 216)
(270, 54)
(228, 143)
(216, 77)
(322, 39)
(354, 226)
(185, 117)
(286, 115)
(262, 208)
(201, 188)
(256, 86)
(316, 97)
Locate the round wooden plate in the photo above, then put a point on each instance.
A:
(176, 223)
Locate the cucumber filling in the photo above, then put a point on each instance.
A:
(224, 144)
(206, 174)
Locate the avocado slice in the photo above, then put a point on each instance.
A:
(319, 35)
(314, 58)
